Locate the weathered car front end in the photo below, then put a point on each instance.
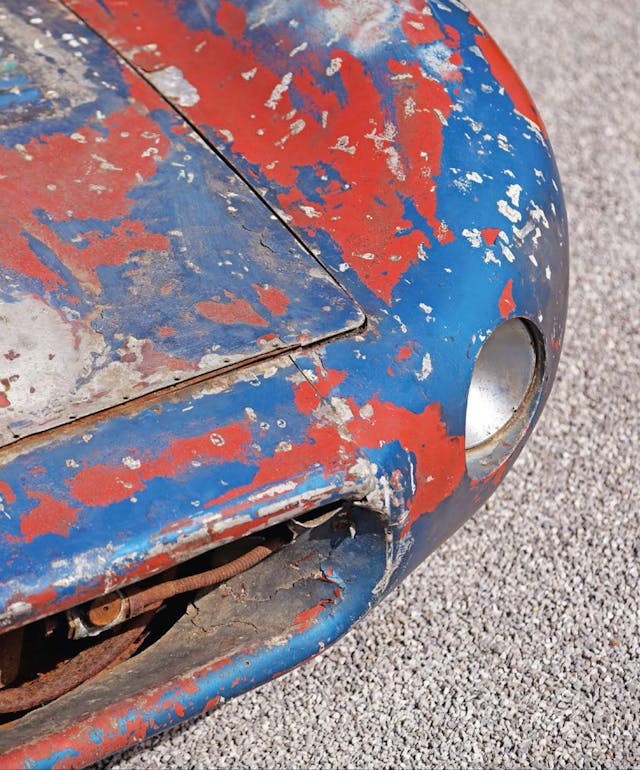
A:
(286, 276)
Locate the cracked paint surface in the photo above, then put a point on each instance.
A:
(139, 261)
(302, 600)
(399, 146)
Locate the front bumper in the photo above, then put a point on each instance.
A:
(440, 227)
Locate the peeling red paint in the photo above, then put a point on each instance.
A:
(233, 311)
(151, 566)
(506, 304)
(212, 703)
(273, 299)
(47, 596)
(104, 161)
(423, 29)
(153, 359)
(7, 493)
(420, 28)
(361, 217)
(440, 458)
(231, 18)
(405, 352)
(49, 517)
(324, 447)
(490, 235)
(308, 396)
(494, 478)
(105, 485)
(307, 617)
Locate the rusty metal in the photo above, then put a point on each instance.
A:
(131, 610)
(132, 602)
(10, 656)
(105, 610)
(108, 651)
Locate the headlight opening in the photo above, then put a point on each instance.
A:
(503, 395)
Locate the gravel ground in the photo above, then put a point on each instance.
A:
(517, 643)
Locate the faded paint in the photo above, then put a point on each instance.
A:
(401, 149)
(124, 265)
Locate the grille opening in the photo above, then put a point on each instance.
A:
(50, 657)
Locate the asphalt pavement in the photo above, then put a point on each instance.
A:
(517, 644)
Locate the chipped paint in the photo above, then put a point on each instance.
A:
(173, 83)
(116, 219)
(394, 143)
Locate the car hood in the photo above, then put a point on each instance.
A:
(133, 257)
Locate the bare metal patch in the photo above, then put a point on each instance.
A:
(172, 83)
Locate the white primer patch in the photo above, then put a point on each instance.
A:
(507, 211)
(298, 49)
(279, 91)
(172, 83)
(507, 253)
(513, 193)
(334, 66)
(427, 368)
(277, 489)
(474, 237)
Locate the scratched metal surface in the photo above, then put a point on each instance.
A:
(132, 256)
(223, 646)
(399, 145)
(517, 644)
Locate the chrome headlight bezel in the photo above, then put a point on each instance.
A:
(504, 395)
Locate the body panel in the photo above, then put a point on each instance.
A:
(401, 148)
(220, 649)
(133, 257)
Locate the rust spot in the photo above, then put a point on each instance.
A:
(108, 651)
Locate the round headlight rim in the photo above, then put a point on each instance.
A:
(487, 456)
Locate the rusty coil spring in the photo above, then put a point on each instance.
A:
(134, 608)
(133, 601)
